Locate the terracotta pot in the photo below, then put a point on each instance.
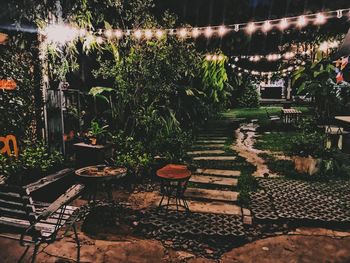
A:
(93, 141)
(308, 165)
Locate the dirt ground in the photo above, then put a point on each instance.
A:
(304, 245)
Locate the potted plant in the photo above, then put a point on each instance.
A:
(97, 134)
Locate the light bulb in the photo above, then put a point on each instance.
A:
(118, 33)
(267, 26)
(195, 32)
(215, 57)
(108, 33)
(99, 40)
(222, 31)
(283, 24)
(208, 32)
(220, 57)
(320, 19)
(208, 57)
(137, 34)
(148, 34)
(236, 59)
(159, 33)
(251, 28)
(302, 21)
(183, 33)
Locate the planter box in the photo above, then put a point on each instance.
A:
(87, 154)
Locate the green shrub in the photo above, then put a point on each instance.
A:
(248, 96)
(130, 153)
(33, 161)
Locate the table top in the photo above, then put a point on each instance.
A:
(174, 172)
(101, 172)
(343, 118)
(96, 146)
(291, 111)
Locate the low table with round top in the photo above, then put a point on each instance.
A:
(174, 179)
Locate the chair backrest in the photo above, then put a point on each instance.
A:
(9, 145)
(16, 203)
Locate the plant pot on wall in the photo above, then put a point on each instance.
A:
(306, 165)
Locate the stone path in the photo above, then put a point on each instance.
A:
(213, 186)
(244, 146)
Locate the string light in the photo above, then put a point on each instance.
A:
(222, 31)
(283, 24)
(195, 32)
(63, 33)
(148, 34)
(266, 26)
(208, 32)
(302, 21)
(251, 28)
(320, 19)
(108, 33)
(99, 40)
(215, 57)
(182, 33)
(118, 33)
(159, 33)
(138, 34)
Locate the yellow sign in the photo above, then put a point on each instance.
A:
(8, 141)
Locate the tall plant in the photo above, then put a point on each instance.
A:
(316, 81)
(215, 79)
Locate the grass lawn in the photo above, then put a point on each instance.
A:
(279, 136)
(275, 141)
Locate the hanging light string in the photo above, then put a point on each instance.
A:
(324, 46)
(284, 72)
(54, 32)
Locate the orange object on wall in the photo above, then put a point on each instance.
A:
(8, 84)
(8, 141)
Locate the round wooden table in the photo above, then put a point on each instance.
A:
(174, 180)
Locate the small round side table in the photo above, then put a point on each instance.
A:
(174, 180)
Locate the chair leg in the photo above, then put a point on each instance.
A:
(77, 241)
(36, 248)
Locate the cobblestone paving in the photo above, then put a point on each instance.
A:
(284, 199)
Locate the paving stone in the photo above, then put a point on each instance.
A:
(214, 180)
(247, 220)
(216, 195)
(246, 212)
(214, 158)
(228, 173)
(211, 138)
(215, 146)
(203, 152)
(214, 207)
(210, 141)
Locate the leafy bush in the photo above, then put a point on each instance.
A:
(34, 161)
(248, 96)
(130, 153)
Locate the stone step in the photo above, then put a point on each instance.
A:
(206, 138)
(218, 172)
(206, 152)
(215, 195)
(214, 180)
(214, 145)
(210, 141)
(211, 207)
(214, 158)
(214, 207)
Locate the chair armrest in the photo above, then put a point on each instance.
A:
(48, 180)
(72, 193)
